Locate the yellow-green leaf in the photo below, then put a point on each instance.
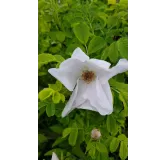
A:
(45, 93)
(62, 97)
(56, 97)
(56, 87)
(44, 59)
(111, 1)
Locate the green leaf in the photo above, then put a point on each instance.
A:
(55, 49)
(90, 146)
(56, 87)
(123, 47)
(105, 53)
(78, 151)
(92, 152)
(58, 141)
(44, 59)
(114, 144)
(123, 151)
(49, 153)
(66, 132)
(45, 93)
(96, 44)
(122, 87)
(59, 58)
(101, 147)
(56, 97)
(113, 52)
(42, 138)
(125, 102)
(111, 124)
(50, 110)
(58, 35)
(81, 31)
(122, 137)
(62, 97)
(111, 1)
(73, 136)
(123, 2)
(41, 105)
(112, 21)
(81, 136)
(57, 129)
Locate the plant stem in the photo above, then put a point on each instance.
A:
(86, 49)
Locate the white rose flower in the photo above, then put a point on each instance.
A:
(88, 79)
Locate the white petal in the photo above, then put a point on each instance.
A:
(98, 99)
(101, 63)
(68, 73)
(107, 90)
(122, 66)
(93, 96)
(101, 72)
(86, 105)
(80, 55)
(76, 99)
(69, 106)
(54, 156)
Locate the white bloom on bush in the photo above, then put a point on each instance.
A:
(95, 134)
(88, 79)
(54, 156)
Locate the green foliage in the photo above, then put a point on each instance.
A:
(96, 44)
(81, 31)
(100, 29)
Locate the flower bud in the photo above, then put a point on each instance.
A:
(95, 134)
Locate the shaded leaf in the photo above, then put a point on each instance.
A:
(41, 105)
(50, 110)
(42, 138)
